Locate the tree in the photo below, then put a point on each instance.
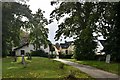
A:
(12, 14)
(79, 24)
(38, 32)
(84, 20)
(113, 40)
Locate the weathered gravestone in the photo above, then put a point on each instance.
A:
(108, 58)
(23, 60)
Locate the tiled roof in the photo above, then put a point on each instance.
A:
(66, 44)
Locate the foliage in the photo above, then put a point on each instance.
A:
(40, 53)
(38, 32)
(80, 23)
(65, 56)
(52, 55)
(84, 20)
(12, 14)
(112, 43)
(85, 46)
(12, 21)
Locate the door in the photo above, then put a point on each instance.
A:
(22, 52)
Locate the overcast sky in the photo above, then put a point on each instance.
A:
(45, 6)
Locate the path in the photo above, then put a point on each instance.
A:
(93, 72)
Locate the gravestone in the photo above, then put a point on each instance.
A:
(23, 60)
(108, 58)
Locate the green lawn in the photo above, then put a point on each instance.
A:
(111, 67)
(38, 67)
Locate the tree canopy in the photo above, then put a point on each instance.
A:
(38, 32)
(12, 22)
(12, 14)
(84, 20)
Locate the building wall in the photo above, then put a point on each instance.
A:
(64, 51)
(29, 48)
(71, 49)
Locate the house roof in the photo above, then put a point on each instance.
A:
(66, 44)
(21, 46)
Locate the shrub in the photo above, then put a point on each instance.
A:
(66, 56)
(39, 53)
(52, 55)
(100, 57)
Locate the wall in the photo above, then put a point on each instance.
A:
(71, 49)
(29, 48)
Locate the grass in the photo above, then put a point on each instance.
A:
(110, 67)
(38, 67)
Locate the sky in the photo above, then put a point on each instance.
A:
(46, 6)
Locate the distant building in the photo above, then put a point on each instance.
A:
(64, 48)
(27, 48)
(67, 47)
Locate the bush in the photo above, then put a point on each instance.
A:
(100, 57)
(66, 56)
(52, 55)
(39, 53)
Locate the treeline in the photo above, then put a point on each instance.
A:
(84, 20)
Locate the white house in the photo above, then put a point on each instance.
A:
(68, 47)
(27, 48)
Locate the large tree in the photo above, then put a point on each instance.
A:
(113, 36)
(38, 32)
(84, 20)
(80, 24)
(12, 20)
(12, 14)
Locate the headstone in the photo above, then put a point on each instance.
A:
(23, 61)
(108, 58)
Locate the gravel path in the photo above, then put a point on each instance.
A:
(93, 72)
